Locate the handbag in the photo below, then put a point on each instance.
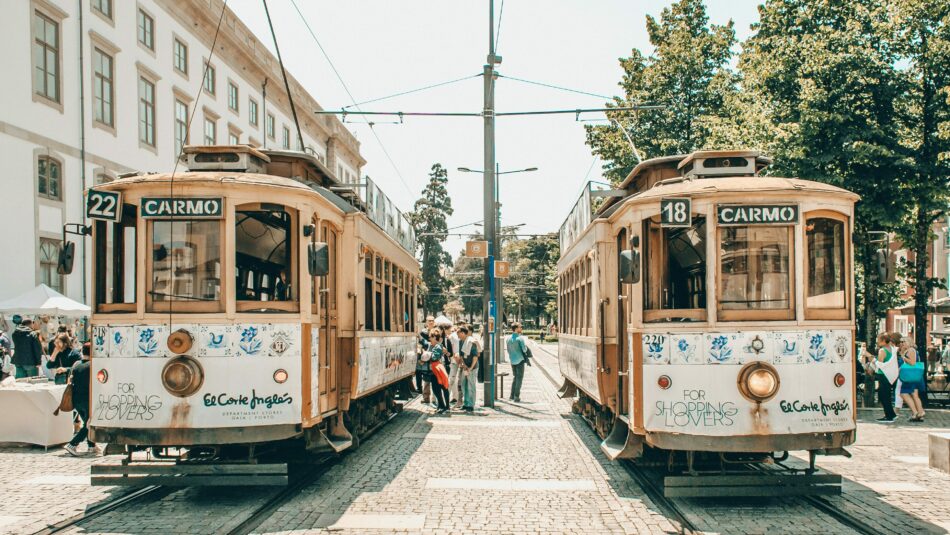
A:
(912, 374)
(66, 402)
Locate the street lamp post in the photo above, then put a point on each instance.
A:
(493, 309)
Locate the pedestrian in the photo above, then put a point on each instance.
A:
(27, 350)
(912, 378)
(62, 358)
(469, 367)
(79, 377)
(423, 373)
(62, 329)
(453, 366)
(440, 380)
(6, 353)
(886, 372)
(517, 350)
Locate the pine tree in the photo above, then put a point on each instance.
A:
(429, 218)
(687, 73)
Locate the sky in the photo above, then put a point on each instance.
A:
(384, 47)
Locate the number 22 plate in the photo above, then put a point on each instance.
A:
(104, 205)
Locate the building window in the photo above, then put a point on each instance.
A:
(48, 174)
(181, 125)
(209, 81)
(233, 139)
(211, 133)
(232, 97)
(49, 261)
(146, 112)
(299, 144)
(252, 111)
(285, 138)
(103, 89)
(46, 57)
(104, 7)
(180, 56)
(146, 26)
(269, 125)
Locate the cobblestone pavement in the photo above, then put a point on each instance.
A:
(887, 484)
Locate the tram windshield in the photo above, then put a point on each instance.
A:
(263, 255)
(755, 271)
(186, 261)
(826, 266)
(676, 260)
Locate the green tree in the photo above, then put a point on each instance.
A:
(429, 218)
(687, 73)
(467, 282)
(531, 291)
(821, 88)
(921, 33)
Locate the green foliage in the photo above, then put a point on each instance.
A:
(429, 218)
(468, 282)
(687, 73)
(531, 291)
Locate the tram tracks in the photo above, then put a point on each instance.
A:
(135, 496)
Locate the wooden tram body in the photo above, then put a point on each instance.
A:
(195, 345)
(737, 338)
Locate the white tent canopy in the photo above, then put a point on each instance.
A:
(443, 321)
(44, 301)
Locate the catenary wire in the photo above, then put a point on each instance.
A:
(410, 91)
(552, 86)
(339, 78)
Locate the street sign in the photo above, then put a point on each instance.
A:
(476, 249)
(502, 269)
(676, 212)
(104, 205)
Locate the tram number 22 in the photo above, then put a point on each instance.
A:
(104, 205)
(676, 212)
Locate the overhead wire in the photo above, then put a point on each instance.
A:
(552, 86)
(411, 91)
(339, 78)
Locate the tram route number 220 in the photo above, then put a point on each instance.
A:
(104, 205)
(676, 212)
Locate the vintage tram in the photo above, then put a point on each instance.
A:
(248, 301)
(707, 312)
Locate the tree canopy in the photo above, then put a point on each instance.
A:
(429, 218)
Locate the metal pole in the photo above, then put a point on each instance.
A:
(491, 232)
(499, 283)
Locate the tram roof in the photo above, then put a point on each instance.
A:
(737, 184)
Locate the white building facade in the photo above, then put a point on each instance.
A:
(97, 88)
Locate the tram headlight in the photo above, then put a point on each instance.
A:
(758, 381)
(102, 376)
(280, 376)
(182, 376)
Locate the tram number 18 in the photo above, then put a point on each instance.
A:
(676, 212)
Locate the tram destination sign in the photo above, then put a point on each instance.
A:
(104, 205)
(757, 214)
(183, 207)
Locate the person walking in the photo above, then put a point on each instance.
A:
(27, 350)
(912, 378)
(517, 350)
(62, 358)
(469, 367)
(885, 372)
(440, 380)
(79, 377)
(423, 374)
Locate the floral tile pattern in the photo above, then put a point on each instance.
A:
(150, 340)
(100, 340)
(686, 349)
(121, 342)
(788, 347)
(818, 347)
(722, 348)
(755, 345)
(250, 340)
(656, 348)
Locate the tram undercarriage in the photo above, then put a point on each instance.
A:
(253, 463)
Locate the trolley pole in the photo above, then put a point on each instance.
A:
(491, 332)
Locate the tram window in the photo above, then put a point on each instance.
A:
(826, 271)
(186, 263)
(262, 256)
(368, 306)
(755, 272)
(676, 261)
(115, 263)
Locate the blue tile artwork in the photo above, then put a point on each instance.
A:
(788, 347)
(819, 348)
(721, 348)
(656, 348)
(686, 349)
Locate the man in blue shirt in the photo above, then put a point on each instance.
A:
(517, 350)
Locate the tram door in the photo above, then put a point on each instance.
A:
(329, 351)
(623, 301)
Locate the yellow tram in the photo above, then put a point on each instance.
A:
(708, 309)
(248, 301)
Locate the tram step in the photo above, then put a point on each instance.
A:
(186, 475)
(734, 485)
